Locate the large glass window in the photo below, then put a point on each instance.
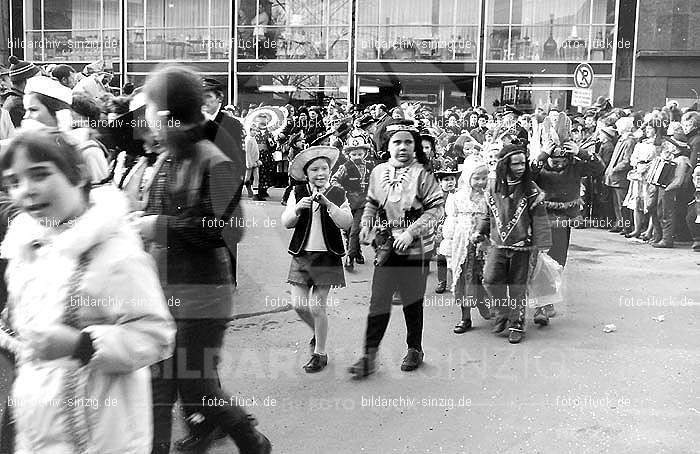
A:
(178, 30)
(572, 30)
(418, 29)
(72, 30)
(280, 89)
(294, 29)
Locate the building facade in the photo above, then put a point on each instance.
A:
(439, 52)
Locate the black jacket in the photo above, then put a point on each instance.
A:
(194, 194)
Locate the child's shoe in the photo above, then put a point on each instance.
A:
(316, 363)
(551, 312)
(364, 367)
(463, 326)
(541, 317)
(441, 287)
(412, 360)
(515, 336)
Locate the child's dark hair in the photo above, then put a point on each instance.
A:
(53, 105)
(503, 169)
(308, 164)
(421, 157)
(47, 145)
(87, 107)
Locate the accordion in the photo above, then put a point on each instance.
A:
(661, 172)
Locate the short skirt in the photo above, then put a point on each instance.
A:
(316, 268)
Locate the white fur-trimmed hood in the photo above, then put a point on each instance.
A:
(103, 219)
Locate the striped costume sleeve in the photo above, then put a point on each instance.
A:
(430, 194)
(372, 204)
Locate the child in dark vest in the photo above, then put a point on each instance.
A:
(353, 177)
(448, 183)
(317, 212)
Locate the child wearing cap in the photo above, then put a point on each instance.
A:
(317, 212)
(448, 183)
(353, 177)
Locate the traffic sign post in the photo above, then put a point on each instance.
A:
(583, 76)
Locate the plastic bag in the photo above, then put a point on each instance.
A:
(544, 285)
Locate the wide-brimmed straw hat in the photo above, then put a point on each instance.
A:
(297, 168)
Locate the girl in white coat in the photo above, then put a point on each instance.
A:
(85, 304)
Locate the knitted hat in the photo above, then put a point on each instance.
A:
(21, 70)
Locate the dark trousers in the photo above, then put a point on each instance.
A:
(469, 287)
(407, 275)
(353, 235)
(505, 278)
(192, 374)
(692, 214)
(441, 268)
(560, 244)
(623, 216)
(7, 430)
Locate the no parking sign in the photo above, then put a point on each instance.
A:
(583, 76)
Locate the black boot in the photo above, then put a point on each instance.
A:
(248, 439)
(199, 438)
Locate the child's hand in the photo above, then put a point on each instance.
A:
(364, 235)
(303, 204)
(322, 200)
(403, 241)
(55, 342)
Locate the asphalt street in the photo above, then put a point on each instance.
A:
(569, 387)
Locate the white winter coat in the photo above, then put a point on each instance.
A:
(126, 316)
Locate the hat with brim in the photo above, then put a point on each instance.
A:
(297, 168)
(210, 84)
(356, 143)
(440, 174)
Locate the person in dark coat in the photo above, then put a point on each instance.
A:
(228, 135)
(616, 174)
(558, 172)
(20, 71)
(691, 127)
(190, 229)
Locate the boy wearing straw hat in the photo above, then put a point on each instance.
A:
(317, 212)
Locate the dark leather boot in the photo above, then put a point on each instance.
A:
(248, 439)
